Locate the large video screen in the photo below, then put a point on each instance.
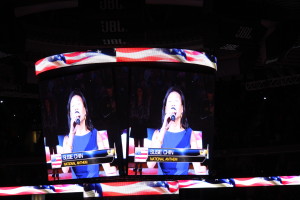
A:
(128, 111)
(171, 121)
(81, 126)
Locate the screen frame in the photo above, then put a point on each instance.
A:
(82, 68)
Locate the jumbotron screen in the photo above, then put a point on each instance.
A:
(127, 111)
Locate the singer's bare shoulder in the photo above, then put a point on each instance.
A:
(66, 137)
(66, 140)
(155, 135)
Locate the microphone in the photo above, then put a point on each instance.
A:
(173, 116)
(77, 120)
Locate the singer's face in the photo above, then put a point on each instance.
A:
(174, 101)
(77, 109)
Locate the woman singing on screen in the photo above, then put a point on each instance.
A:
(174, 133)
(83, 137)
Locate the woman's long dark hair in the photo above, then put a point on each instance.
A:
(184, 121)
(88, 121)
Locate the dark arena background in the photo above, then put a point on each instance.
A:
(254, 104)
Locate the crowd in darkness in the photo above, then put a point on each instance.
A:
(257, 130)
(260, 118)
(21, 143)
(20, 128)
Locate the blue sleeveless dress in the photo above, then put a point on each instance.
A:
(175, 140)
(85, 142)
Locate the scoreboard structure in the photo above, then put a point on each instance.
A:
(121, 90)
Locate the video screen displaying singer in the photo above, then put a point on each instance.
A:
(83, 136)
(171, 122)
(81, 125)
(174, 133)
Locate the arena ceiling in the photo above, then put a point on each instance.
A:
(249, 37)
